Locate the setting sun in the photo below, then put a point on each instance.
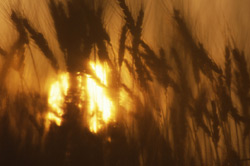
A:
(100, 105)
(57, 93)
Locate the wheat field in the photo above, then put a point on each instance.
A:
(123, 82)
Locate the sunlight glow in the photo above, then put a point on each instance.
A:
(81, 88)
(93, 89)
(100, 105)
(57, 93)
